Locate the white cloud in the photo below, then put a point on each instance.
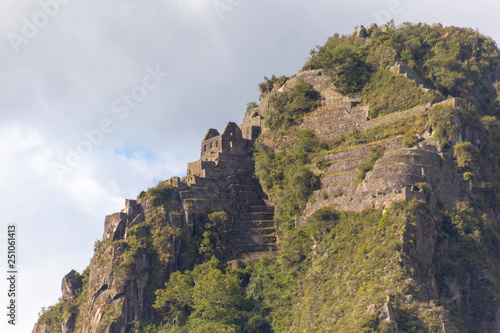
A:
(15, 144)
(16, 140)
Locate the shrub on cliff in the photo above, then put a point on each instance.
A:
(441, 125)
(375, 154)
(467, 156)
(250, 107)
(160, 194)
(268, 85)
(455, 61)
(289, 106)
(202, 299)
(284, 174)
(387, 93)
(343, 61)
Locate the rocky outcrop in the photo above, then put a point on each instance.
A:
(116, 294)
(68, 324)
(124, 272)
(408, 173)
(42, 328)
(388, 315)
(70, 285)
(361, 31)
(119, 279)
(401, 68)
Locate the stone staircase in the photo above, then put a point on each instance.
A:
(228, 183)
(254, 233)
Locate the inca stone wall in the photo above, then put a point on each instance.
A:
(222, 180)
(401, 174)
(400, 68)
(225, 181)
(396, 175)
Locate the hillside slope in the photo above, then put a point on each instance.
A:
(358, 195)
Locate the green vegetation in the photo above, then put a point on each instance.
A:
(340, 270)
(152, 237)
(289, 106)
(467, 156)
(53, 315)
(376, 153)
(250, 107)
(441, 125)
(205, 299)
(325, 279)
(214, 236)
(443, 121)
(268, 84)
(387, 93)
(323, 274)
(410, 139)
(396, 128)
(492, 126)
(285, 175)
(206, 238)
(465, 258)
(454, 61)
(159, 194)
(343, 59)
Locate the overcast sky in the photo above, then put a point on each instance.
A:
(102, 99)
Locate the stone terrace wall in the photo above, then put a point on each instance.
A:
(394, 116)
(394, 176)
(319, 82)
(398, 175)
(400, 68)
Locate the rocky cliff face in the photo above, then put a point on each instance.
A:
(415, 185)
(396, 175)
(117, 287)
(141, 245)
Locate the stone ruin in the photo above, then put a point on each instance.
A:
(223, 178)
(401, 174)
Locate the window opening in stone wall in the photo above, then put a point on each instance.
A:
(205, 148)
(231, 144)
(216, 143)
(210, 145)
